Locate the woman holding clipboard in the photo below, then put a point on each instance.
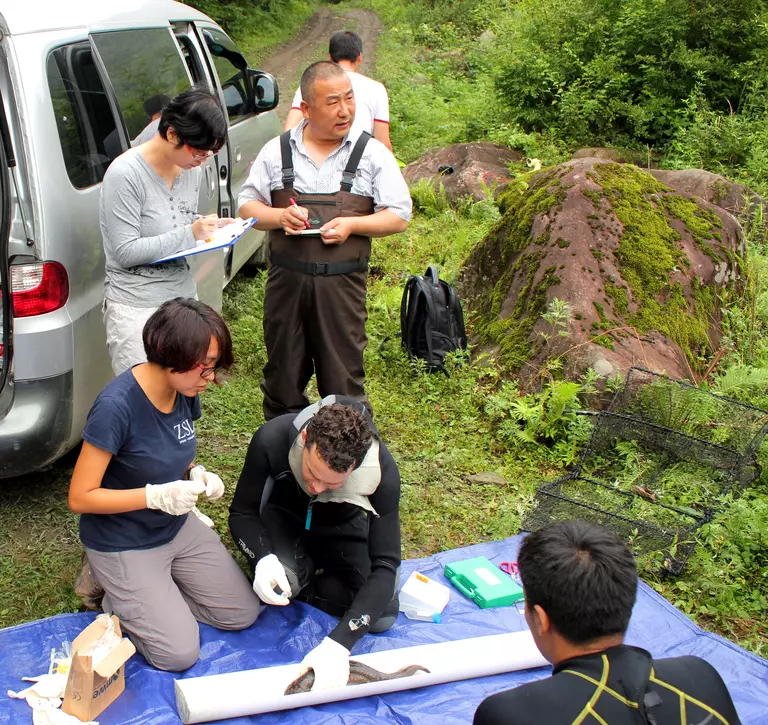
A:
(148, 211)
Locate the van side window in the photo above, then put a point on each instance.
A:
(143, 66)
(83, 117)
(230, 67)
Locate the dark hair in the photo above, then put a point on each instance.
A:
(345, 45)
(155, 104)
(583, 576)
(342, 436)
(197, 118)
(322, 70)
(179, 333)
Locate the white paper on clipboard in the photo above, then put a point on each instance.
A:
(223, 237)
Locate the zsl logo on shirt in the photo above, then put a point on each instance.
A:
(184, 431)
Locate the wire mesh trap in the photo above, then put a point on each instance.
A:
(659, 462)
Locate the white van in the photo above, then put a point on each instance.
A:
(74, 77)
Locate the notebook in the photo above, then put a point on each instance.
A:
(223, 237)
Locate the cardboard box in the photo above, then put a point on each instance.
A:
(91, 690)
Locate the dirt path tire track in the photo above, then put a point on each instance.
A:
(310, 44)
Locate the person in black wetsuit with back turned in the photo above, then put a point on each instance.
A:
(316, 513)
(580, 583)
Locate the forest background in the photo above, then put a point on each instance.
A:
(681, 81)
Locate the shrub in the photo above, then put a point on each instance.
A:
(599, 71)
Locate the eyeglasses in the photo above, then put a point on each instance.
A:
(199, 153)
(206, 372)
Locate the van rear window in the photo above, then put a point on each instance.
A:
(86, 126)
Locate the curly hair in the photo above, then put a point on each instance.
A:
(342, 435)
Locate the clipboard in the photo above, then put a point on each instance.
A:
(223, 237)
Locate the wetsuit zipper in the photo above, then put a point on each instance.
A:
(309, 514)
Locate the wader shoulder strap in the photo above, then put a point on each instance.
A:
(287, 160)
(348, 175)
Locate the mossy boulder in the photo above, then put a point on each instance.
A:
(464, 169)
(735, 198)
(621, 156)
(642, 268)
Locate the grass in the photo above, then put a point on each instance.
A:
(41, 550)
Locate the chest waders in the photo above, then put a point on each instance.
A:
(314, 306)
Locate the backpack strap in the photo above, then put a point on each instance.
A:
(457, 313)
(348, 175)
(418, 291)
(430, 291)
(432, 275)
(287, 160)
(404, 330)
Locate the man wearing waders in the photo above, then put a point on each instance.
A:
(316, 514)
(322, 192)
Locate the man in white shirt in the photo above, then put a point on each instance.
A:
(371, 99)
(323, 191)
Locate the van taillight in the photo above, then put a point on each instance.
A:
(38, 288)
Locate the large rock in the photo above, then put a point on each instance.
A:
(468, 169)
(621, 156)
(714, 188)
(639, 265)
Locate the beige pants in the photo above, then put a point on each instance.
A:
(161, 594)
(124, 327)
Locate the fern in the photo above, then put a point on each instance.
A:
(738, 379)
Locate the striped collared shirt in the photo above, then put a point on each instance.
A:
(378, 174)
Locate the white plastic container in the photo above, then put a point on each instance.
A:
(425, 616)
(423, 598)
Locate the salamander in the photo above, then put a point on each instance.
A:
(359, 674)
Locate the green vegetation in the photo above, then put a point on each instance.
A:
(257, 25)
(602, 72)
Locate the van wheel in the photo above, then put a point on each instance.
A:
(259, 260)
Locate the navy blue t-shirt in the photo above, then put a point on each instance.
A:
(147, 446)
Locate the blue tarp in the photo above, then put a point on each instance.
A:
(285, 635)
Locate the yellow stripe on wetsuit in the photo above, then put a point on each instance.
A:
(601, 687)
(687, 698)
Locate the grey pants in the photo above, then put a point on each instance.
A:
(161, 594)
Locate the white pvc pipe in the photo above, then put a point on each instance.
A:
(238, 694)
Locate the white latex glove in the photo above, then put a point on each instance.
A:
(46, 686)
(207, 520)
(330, 661)
(175, 498)
(214, 486)
(270, 573)
(46, 714)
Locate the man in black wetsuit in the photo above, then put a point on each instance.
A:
(580, 583)
(316, 515)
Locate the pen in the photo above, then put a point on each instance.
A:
(293, 203)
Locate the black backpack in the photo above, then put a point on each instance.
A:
(431, 320)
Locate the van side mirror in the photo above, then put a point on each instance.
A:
(265, 92)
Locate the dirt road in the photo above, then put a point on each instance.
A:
(311, 44)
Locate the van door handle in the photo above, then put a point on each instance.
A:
(209, 181)
(238, 154)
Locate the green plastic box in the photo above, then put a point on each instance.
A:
(483, 582)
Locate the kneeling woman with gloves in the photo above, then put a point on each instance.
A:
(135, 482)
